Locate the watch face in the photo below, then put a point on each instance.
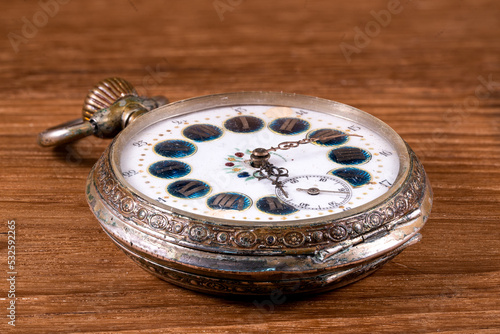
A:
(198, 162)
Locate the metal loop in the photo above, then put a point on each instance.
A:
(65, 133)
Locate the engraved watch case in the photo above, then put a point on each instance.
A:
(214, 254)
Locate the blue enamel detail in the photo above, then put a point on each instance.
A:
(272, 205)
(188, 189)
(354, 176)
(169, 169)
(289, 125)
(229, 201)
(244, 124)
(202, 132)
(327, 133)
(348, 155)
(175, 148)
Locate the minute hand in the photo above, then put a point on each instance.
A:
(260, 156)
(291, 144)
(316, 191)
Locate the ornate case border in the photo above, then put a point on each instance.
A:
(265, 240)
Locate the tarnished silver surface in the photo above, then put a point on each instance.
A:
(247, 269)
(214, 255)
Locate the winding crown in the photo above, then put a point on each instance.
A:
(104, 94)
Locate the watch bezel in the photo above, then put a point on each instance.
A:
(262, 98)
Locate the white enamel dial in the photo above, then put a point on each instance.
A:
(198, 162)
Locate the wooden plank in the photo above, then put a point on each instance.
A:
(432, 73)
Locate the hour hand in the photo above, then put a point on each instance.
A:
(279, 185)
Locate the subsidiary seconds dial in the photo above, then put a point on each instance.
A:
(315, 192)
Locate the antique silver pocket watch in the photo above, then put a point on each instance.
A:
(246, 193)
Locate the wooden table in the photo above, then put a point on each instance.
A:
(429, 69)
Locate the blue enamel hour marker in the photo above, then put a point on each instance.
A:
(272, 205)
(175, 148)
(289, 125)
(244, 124)
(349, 155)
(354, 176)
(169, 169)
(229, 201)
(325, 133)
(202, 132)
(188, 189)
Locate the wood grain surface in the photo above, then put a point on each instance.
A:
(430, 69)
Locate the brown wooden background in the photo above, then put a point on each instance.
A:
(422, 73)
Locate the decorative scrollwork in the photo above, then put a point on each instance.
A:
(245, 239)
(158, 222)
(339, 232)
(317, 236)
(198, 233)
(294, 239)
(375, 219)
(222, 237)
(127, 204)
(206, 235)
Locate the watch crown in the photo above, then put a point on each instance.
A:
(104, 94)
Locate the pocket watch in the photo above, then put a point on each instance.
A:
(249, 193)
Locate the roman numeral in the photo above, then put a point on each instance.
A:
(385, 183)
(191, 188)
(202, 131)
(130, 173)
(385, 153)
(288, 125)
(140, 143)
(226, 201)
(244, 123)
(239, 109)
(349, 174)
(170, 167)
(274, 203)
(324, 135)
(348, 154)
